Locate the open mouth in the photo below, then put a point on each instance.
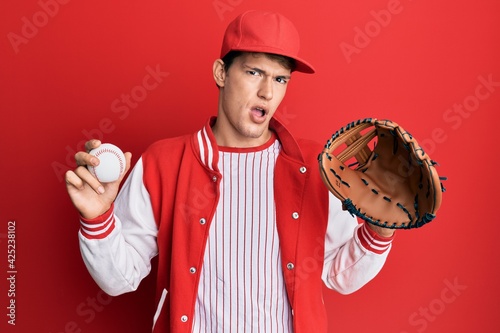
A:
(260, 111)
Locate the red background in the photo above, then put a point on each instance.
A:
(60, 79)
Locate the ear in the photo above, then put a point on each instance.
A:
(219, 73)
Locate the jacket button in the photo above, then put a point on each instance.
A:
(290, 266)
(295, 215)
(203, 221)
(303, 169)
(192, 270)
(184, 318)
(214, 179)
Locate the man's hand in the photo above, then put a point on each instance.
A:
(383, 232)
(89, 196)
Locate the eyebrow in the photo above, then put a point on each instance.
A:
(259, 70)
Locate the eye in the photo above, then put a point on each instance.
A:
(281, 80)
(254, 73)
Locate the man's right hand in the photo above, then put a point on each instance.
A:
(89, 196)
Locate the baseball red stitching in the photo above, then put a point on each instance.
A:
(107, 150)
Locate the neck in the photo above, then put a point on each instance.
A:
(228, 137)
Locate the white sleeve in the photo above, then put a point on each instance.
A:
(350, 262)
(119, 259)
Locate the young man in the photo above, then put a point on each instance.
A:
(245, 230)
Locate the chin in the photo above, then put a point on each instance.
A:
(259, 137)
(255, 131)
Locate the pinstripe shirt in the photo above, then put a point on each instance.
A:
(241, 285)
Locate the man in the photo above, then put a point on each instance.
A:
(244, 228)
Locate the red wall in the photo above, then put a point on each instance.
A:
(431, 66)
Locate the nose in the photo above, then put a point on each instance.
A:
(266, 89)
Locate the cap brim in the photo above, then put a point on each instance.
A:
(300, 64)
(304, 67)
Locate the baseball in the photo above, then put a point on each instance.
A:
(111, 163)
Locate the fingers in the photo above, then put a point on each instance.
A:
(81, 177)
(73, 180)
(91, 144)
(84, 158)
(128, 159)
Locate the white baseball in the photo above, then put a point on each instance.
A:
(111, 163)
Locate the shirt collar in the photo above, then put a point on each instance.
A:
(206, 147)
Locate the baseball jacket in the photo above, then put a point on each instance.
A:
(166, 206)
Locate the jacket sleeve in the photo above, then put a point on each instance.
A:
(354, 254)
(117, 247)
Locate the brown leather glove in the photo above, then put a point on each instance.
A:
(394, 185)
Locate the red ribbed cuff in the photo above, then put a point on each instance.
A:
(373, 241)
(99, 227)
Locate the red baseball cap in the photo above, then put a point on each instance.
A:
(266, 32)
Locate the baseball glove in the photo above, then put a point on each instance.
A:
(394, 185)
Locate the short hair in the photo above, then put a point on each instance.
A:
(284, 61)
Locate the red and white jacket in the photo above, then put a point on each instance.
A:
(165, 208)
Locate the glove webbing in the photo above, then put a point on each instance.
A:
(357, 146)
